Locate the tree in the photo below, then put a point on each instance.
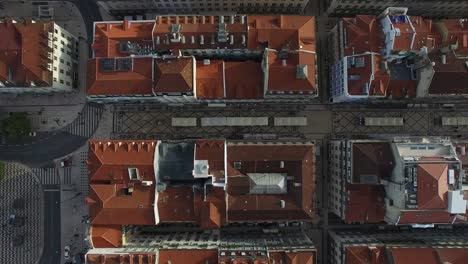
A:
(16, 125)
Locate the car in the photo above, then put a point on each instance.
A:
(66, 252)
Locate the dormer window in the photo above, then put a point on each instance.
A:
(133, 174)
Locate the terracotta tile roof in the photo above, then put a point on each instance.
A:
(450, 78)
(299, 163)
(425, 217)
(137, 81)
(367, 72)
(122, 258)
(181, 256)
(372, 159)
(414, 255)
(452, 32)
(239, 87)
(106, 236)
(432, 186)
(363, 33)
(293, 32)
(109, 35)
(176, 204)
(424, 36)
(110, 199)
(300, 258)
(404, 255)
(174, 75)
(453, 255)
(365, 255)
(284, 77)
(210, 80)
(365, 203)
(213, 152)
(193, 28)
(23, 52)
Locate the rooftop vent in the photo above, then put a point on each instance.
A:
(133, 173)
(175, 33)
(301, 72)
(200, 168)
(237, 165)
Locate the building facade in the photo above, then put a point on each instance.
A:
(145, 246)
(410, 246)
(399, 181)
(124, 7)
(190, 59)
(400, 57)
(37, 57)
(449, 8)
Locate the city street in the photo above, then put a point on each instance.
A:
(52, 251)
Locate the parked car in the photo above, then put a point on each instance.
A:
(66, 252)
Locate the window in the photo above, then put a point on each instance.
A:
(133, 174)
(237, 165)
(68, 83)
(61, 81)
(61, 71)
(61, 61)
(63, 35)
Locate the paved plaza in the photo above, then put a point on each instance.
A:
(21, 232)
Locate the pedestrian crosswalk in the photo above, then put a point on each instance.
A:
(86, 122)
(67, 174)
(47, 176)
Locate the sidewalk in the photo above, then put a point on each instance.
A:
(74, 209)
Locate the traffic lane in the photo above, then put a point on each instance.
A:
(52, 251)
(41, 152)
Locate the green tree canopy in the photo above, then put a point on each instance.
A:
(16, 125)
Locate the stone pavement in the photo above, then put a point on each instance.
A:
(74, 210)
(21, 195)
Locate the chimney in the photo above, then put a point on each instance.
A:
(443, 59)
(282, 203)
(283, 62)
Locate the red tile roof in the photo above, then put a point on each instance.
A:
(106, 236)
(181, 256)
(174, 75)
(284, 77)
(365, 204)
(299, 163)
(365, 255)
(194, 27)
(210, 80)
(375, 158)
(453, 32)
(176, 204)
(239, 87)
(109, 35)
(23, 52)
(122, 258)
(213, 152)
(363, 33)
(293, 32)
(405, 255)
(137, 81)
(414, 255)
(280, 32)
(432, 186)
(109, 200)
(370, 74)
(450, 78)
